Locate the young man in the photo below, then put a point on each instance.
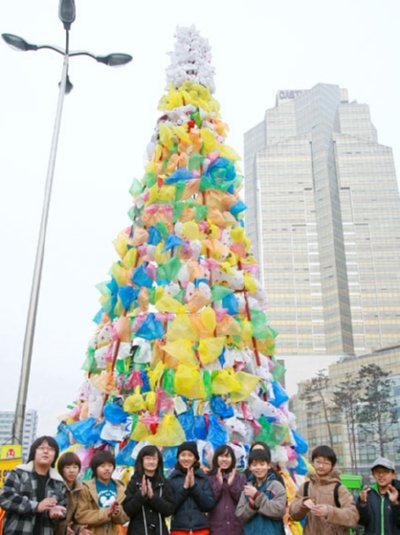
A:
(99, 503)
(327, 506)
(34, 494)
(262, 503)
(379, 505)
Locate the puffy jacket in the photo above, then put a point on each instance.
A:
(270, 507)
(147, 515)
(222, 518)
(321, 492)
(191, 503)
(89, 512)
(18, 499)
(379, 515)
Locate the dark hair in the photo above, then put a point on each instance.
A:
(99, 458)
(259, 455)
(220, 451)
(149, 451)
(324, 451)
(67, 459)
(262, 444)
(38, 442)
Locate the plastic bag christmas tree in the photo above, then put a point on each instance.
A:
(182, 348)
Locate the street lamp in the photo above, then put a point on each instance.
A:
(67, 15)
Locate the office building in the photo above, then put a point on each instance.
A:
(29, 432)
(324, 218)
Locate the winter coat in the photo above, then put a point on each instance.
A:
(222, 518)
(379, 515)
(89, 512)
(270, 507)
(18, 498)
(191, 503)
(72, 502)
(147, 515)
(321, 491)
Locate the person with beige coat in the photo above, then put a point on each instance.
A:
(99, 504)
(325, 503)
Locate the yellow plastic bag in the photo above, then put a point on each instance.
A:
(189, 382)
(181, 328)
(182, 350)
(225, 382)
(211, 348)
(208, 319)
(249, 282)
(166, 303)
(165, 134)
(120, 244)
(155, 374)
(248, 382)
(129, 260)
(190, 230)
(151, 401)
(134, 402)
(169, 432)
(140, 432)
(120, 274)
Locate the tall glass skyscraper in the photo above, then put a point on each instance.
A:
(324, 218)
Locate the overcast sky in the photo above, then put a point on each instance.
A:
(258, 46)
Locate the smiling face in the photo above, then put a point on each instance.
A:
(104, 472)
(259, 469)
(323, 466)
(150, 463)
(186, 459)
(383, 477)
(224, 461)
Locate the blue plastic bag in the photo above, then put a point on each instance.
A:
(280, 395)
(170, 456)
(114, 413)
(220, 408)
(200, 429)
(150, 328)
(124, 456)
(172, 241)
(231, 304)
(127, 294)
(237, 208)
(301, 446)
(154, 236)
(217, 433)
(186, 419)
(86, 431)
(140, 278)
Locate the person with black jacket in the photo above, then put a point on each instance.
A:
(149, 498)
(192, 492)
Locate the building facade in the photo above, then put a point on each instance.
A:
(29, 432)
(311, 421)
(324, 218)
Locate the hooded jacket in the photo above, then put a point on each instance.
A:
(191, 503)
(18, 498)
(89, 512)
(379, 515)
(321, 491)
(222, 518)
(147, 515)
(270, 507)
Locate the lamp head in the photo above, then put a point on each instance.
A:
(113, 60)
(17, 43)
(67, 13)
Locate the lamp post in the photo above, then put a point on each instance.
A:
(67, 15)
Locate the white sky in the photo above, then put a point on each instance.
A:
(259, 46)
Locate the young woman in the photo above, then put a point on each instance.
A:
(69, 466)
(148, 495)
(227, 485)
(192, 493)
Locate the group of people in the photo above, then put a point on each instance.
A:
(40, 500)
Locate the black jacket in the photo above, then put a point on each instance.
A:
(191, 503)
(371, 514)
(147, 515)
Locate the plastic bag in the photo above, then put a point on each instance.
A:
(150, 328)
(114, 413)
(181, 328)
(224, 382)
(140, 278)
(170, 269)
(169, 432)
(182, 350)
(168, 304)
(217, 434)
(127, 294)
(231, 304)
(210, 349)
(200, 428)
(220, 408)
(301, 445)
(248, 382)
(187, 421)
(218, 292)
(85, 431)
(169, 456)
(168, 380)
(134, 402)
(208, 319)
(280, 395)
(124, 456)
(189, 383)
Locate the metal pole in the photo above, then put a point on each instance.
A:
(37, 273)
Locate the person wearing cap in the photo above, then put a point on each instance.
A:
(192, 493)
(379, 505)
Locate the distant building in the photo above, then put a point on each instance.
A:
(311, 422)
(29, 433)
(324, 218)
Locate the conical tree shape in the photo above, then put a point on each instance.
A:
(182, 348)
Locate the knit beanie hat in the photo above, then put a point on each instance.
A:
(189, 445)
